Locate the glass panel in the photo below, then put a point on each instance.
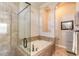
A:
(25, 30)
(22, 6)
(77, 27)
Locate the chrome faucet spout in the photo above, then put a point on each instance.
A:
(32, 47)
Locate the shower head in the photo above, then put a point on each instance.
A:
(28, 3)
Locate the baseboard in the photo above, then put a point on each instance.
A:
(34, 35)
(61, 46)
(71, 53)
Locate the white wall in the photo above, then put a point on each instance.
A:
(65, 36)
(34, 21)
(51, 22)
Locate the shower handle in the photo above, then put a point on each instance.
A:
(25, 42)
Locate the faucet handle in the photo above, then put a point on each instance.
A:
(37, 49)
(32, 47)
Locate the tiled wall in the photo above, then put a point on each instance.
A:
(8, 41)
(14, 26)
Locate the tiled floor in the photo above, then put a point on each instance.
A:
(62, 52)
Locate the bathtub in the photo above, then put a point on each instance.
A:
(41, 48)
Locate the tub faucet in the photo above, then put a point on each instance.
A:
(36, 49)
(32, 47)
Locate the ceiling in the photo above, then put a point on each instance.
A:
(37, 4)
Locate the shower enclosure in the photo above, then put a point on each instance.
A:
(35, 34)
(24, 27)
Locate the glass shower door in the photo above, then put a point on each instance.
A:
(24, 28)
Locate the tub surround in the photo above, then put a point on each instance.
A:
(42, 46)
(42, 38)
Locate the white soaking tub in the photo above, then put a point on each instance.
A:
(40, 46)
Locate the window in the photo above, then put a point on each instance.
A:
(3, 28)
